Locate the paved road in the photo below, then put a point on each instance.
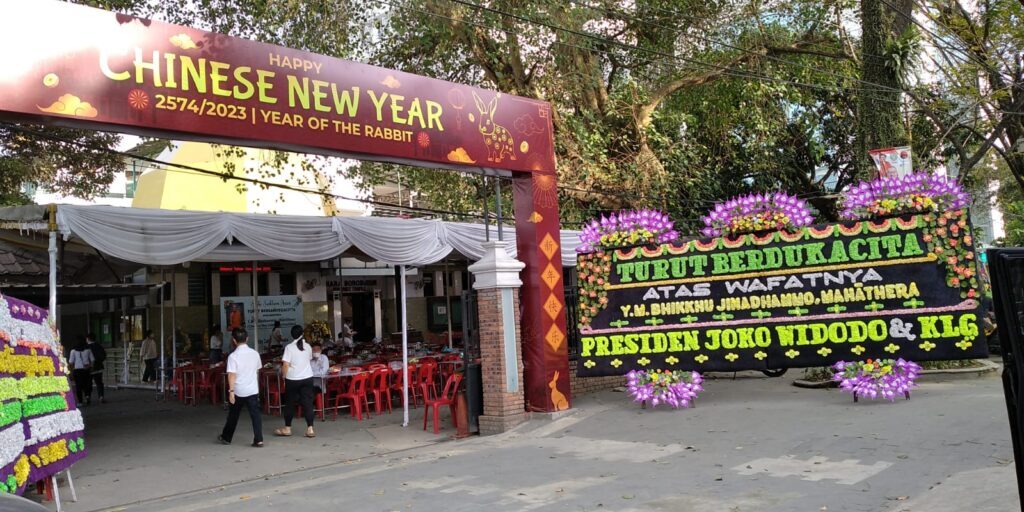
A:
(750, 445)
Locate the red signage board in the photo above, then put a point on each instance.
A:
(99, 68)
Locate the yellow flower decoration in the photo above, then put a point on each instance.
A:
(858, 349)
(590, 364)
(868, 367)
(892, 348)
(732, 357)
(824, 351)
(671, 360)
(701, 358)
(643, 361)
(616, 363)
(760, 355)
(927, 346)
(792, 353)
(964, 344)
(21, 469)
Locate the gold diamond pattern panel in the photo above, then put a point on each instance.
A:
(550, 276)
(549, 246)
(555, 338)
(553, 306)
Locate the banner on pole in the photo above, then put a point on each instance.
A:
(893, 162)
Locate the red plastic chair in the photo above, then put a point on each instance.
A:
(397, 383)
(210, 383)
(274, 391)
(447, 398)
(178, 381)
(425, 386)
(381, 389)
(356, 396)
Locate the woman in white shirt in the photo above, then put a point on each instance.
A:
(299, 387)
(81, 361)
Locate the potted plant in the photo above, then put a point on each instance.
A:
(886, 378)
(676, 388)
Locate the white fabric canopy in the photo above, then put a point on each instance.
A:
(168, 237)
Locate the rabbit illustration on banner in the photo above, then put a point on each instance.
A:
(497, 138)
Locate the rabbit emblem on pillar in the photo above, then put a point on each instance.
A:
(497, 138)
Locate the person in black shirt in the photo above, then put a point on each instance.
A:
(98, 356)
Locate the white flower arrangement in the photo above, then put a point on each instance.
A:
(12, 442)
(53, 425)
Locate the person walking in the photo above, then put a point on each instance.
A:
(299, 387)
(276, 339)
(81, 362)
(216, 347)
(148, 354)
(243, 388)
(99, 354)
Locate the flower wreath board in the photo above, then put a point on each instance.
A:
(41, 430)
(897, 287)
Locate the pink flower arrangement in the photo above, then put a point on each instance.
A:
(676, 388)
(625, 228)
(914, 193)
(757, 212)
(883, 377)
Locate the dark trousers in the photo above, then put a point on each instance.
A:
(253, 404)
(97, 379)
(300, 392)
(83, 384)
(150, 373)
(215, 355)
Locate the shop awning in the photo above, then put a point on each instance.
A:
(169, 237)
(69, 293)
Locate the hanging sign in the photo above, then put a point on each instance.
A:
(893, 162)
(899, 287)
(238, 312)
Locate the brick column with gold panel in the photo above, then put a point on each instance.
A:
(496, 280)
(545, 351)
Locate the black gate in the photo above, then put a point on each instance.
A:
(1006, 267)
(471, 358)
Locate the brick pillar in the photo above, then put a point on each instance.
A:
(497, 284)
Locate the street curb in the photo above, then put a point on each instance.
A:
(985, 368)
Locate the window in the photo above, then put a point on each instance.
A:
(288, 284)
(196, 289)
(228, 285)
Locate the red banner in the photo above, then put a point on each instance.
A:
(86, 67)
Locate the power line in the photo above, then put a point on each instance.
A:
(229, 176)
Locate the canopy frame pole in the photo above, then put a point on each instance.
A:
(405, 350)
(174, 322)
(163, 306)
(52, 277)
(448, 300)
(255, 307)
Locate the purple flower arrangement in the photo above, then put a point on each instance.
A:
(757, 212)
(884, 378)
(675, 388)
(625, 228)
(913, 193)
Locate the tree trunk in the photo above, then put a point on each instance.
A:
(879, 114)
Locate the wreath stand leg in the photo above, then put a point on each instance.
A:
(854, 397)
(907, 394)
(643, 404)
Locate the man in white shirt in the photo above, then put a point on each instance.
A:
(243, 388)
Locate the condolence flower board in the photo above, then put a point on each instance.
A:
(894, 287)
(41, 430)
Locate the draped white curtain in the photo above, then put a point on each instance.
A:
(168, 237)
